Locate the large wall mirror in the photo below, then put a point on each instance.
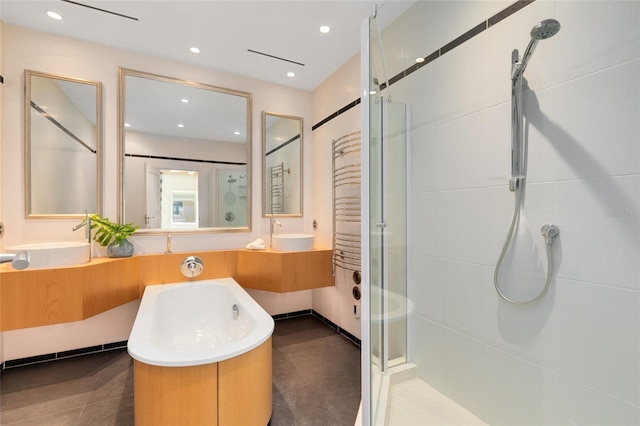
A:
(185, 155)
(282, 139)
(63, 130)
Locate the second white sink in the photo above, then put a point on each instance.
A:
(55, 254)
(293, 242)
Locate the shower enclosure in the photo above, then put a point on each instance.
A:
(442, 346)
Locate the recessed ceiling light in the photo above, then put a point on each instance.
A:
(184, 101)
(291, 74)
(419, 60)
(181, 125)
(372, 92)
(236, 132)
(54, 15)
(194, 50)
(325, 29)
(127, 125)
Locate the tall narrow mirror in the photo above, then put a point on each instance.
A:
(282, 139)
(185, 155)
(63, 123)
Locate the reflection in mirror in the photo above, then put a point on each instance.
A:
(185, 155)
(282, 141)
(62, 146)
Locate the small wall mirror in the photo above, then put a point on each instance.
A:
(282, 139)
(63, 129)
(185, 155)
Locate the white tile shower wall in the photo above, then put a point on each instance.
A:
(573, 357)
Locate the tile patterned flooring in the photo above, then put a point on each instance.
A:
(316, 381)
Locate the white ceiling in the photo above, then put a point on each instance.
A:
(223, 30)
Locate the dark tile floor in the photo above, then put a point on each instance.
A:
(316, 381)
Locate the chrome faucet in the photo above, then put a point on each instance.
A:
(168, 250)
(85, 222)
(192, 266)
(18, 260)
(272, 222)
(235, 311)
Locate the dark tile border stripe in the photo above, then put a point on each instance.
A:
(508, 11)
(505, 13)
(61, 355)
(464, 37)
(337, 328)
(291, 314)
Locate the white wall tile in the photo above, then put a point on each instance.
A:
(464, 364)
(424, 161)
(599, 228)
(539, 136)
(475, 150)
(472, 223)
(428, 351)
(424, 287)
(463, 84)
(595, 130)
(598, 337)
(576, 404)
(462, 296)
(425, 224)
(514, 390)
(595, 35)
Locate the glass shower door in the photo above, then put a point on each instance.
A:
(387, 233)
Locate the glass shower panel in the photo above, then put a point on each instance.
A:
(388, 244)
(387, 231)
(394, 177)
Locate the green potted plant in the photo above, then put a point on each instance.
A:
(113, 235)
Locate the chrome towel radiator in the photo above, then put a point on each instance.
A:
(346, 172)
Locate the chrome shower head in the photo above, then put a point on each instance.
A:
(540, 31)
(545, 29)
(231, 179)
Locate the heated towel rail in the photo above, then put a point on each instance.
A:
(277, 188)
(347, 200)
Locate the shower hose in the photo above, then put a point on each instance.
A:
(549, 232)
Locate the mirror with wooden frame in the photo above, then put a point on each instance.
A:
(63, 130)
(185, 155)
(282, 148)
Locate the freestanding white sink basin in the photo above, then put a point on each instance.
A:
(55, 254)
(293, 242)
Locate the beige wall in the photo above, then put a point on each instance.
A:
(27, 49)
